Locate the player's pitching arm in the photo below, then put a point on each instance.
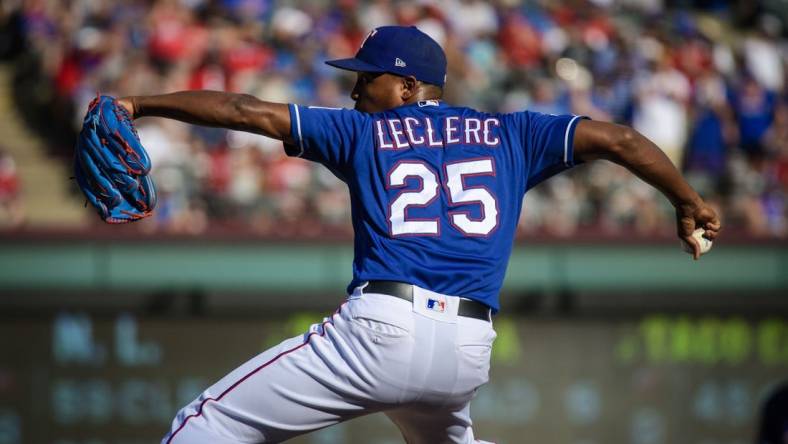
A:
(240, 112)
(626, 147)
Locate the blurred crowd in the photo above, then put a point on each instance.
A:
(11, 209)
(705, 80)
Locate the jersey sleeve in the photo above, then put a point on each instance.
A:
(547, 142)
(325, 135)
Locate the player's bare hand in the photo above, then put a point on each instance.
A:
(690, 217)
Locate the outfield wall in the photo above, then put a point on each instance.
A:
(265, 266)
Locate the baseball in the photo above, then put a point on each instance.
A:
(705, 244)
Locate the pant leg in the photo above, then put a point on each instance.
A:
(347, 366)
(300, 385)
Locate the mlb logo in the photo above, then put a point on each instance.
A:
(436, 305)
(423, 103)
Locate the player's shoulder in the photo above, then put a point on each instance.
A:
(337, 115)
(527, 118)
(503, 116)
(331, 110)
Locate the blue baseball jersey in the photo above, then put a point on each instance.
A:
(436, 190)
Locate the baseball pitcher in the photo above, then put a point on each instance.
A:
(436, 193)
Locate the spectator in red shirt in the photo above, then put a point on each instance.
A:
(11, 209)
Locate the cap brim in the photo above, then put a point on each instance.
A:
(354, 64)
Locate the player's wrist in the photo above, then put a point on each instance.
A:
(690, 204)
(128, 103)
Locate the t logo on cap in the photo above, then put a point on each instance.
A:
(386, 48)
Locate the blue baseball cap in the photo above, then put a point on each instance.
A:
(399, 50)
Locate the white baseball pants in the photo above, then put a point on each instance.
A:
(377, 353)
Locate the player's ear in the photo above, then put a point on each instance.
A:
(409, 86)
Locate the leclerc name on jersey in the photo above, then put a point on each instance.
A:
(414, 132)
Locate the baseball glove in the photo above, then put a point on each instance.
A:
(111, 165)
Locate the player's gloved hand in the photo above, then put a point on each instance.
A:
(111, 166)
(692, 216)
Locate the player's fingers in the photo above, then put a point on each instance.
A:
(694, 245)
(713, 225)
(710, 235)
(686, 226)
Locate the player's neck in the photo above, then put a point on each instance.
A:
(423, 92)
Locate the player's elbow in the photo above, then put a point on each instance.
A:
(622, 142)
(603, 140)
(256, 116)
(246, 112)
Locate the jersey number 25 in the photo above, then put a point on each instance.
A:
(458, 193)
